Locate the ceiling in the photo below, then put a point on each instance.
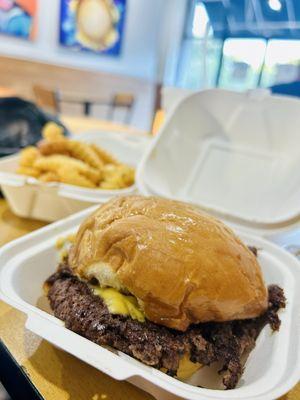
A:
(254, 18)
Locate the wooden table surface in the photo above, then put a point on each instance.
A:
(81, 124)
(56, 374)
(7, 92)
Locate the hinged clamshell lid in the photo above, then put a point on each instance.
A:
(233, 154)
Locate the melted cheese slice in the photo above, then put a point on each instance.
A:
(187, 368)
(118, 303)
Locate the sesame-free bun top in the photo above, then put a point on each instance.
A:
(181, 264)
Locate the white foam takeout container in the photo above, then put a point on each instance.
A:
(273, 366)
(30, 198)
(233, 154)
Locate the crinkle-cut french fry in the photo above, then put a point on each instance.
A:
(28, 156)
(85, 153)
(73, 148)
(92, 174)
(109, 185)
(49, 177)
(104, 155)
(55, 162)
(48, 148)
(52, 131)
(29, 171)
(117, 176)
(72, 177)
(128, 174)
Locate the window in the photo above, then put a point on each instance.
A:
(238, 63)
(282, 62)
(242, 63)
(198, 63)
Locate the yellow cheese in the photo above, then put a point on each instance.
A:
(187, 368)
(63, 244)
(119, 303)
(64, 240)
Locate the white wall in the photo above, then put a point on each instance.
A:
(152, 38)
(139, 56)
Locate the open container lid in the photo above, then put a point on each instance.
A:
(233, 154)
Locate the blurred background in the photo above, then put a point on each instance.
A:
(111, 59)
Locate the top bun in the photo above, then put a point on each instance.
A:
(182, 265)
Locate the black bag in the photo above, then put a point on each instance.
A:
(21, 123)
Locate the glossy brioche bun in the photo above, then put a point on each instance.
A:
(182, 265)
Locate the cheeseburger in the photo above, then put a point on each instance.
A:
(166, 284)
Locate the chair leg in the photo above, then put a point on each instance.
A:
(87, 108)
(111, 112)
(128, 116)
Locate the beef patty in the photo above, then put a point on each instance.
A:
(230, 342)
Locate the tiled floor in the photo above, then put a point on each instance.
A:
(3, 393)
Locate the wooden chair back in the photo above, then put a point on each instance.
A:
(47, 99)
(122, 100)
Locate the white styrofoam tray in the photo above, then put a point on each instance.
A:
(31, 198)
(234, 154)
(272, 369)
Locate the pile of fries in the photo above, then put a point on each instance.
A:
(58, 159)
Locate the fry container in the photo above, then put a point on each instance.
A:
(30, 198)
